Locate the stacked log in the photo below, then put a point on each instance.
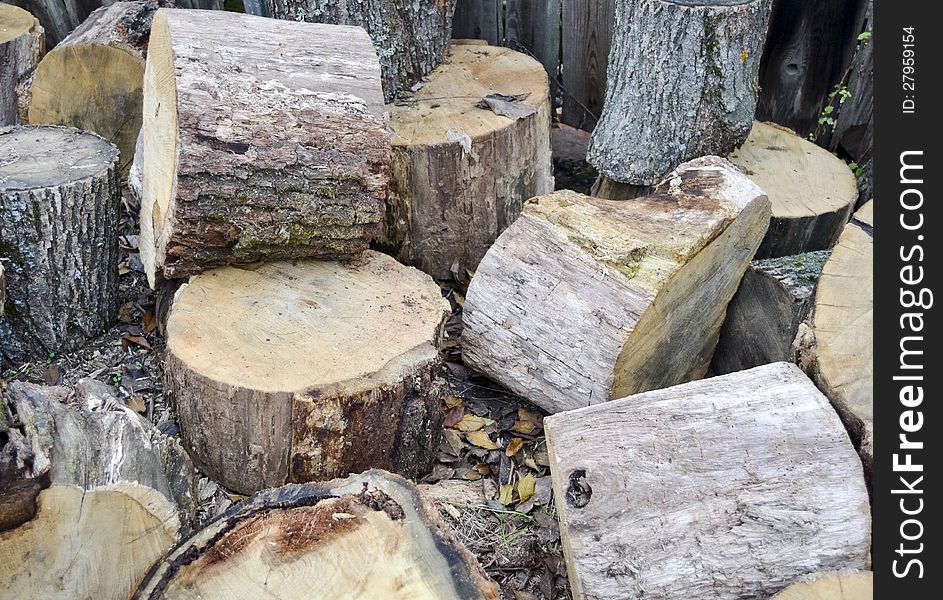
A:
(222, 184)
(730, 487)
(21, 46)
(462, 171)
(583, 300)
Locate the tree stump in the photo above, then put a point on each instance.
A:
(775, 296)
(835, 585)
(368, 536)
(583, 300)
(812, 191)
(727, 488)
(837, 350)
(299, 372)
(59, 198)
(705, 56)
(460, 172)
(93, 79)
(222, 185)
(411, 38)
(90, 496)
(21, 47)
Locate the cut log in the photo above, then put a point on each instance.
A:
(369, 536)
(813, 191)
(835, 585)
(705, 56)
(222, 185)
(727, 488)
(92, 495)
(838, 349)
(21, 47)
(93, 79)
(462, 172)
(411, 38)
(59, 199)
(583, 300)
(299, 372)
(775, 296)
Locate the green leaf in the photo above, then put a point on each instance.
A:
(507, 494)
(864, 36)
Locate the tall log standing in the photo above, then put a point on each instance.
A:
(21, 47)
(59, 199)
(705, 55)
(90, 496)
(812, 191)
(460, 173)
(583, 300)
(725, 488)
(411, 38)
(262, 139)
(307, 371)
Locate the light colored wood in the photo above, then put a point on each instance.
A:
(369, 536)
(836, 585)
(813, 191)
(461, 173)
(263, 139)
(21, 47)
(838, 349)
(290, 372)
(583, 300)
(729, 487)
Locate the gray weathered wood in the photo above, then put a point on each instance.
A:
(479, 20)
(534, 28)
(726, 488)
(586, 40)
(681, 83)
(21, 46)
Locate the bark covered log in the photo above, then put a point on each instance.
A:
(461, 173)
(727, 488)
(300, 372)
(834, 585)
(21, 46)
(411, 38)
(251, 153)
(704, 56)
(583, 300)
(92, 496)
(59, 199)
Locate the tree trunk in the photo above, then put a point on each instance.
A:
(255, 154)
(411, 38)
(59, 230)
(461, 173)
(92, 496)
(704, 56)
(368, 536)
(812, 191)
(725, 488)
(775, 296)
(21, 47)
(292, 372)
(583, 300)
(834, 585)
(837, 350)
(93, 79)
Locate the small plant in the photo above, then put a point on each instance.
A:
(864, 36)
(856, 169)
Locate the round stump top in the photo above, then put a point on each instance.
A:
(14, 22)
(296, 326)
(41, 156)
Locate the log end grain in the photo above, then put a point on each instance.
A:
(22, 43)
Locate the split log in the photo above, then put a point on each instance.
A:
(813, 191)
(21, 47)
(705, 56)
(775, 296)
(59, 199)
(726, 488)
(460, 173)
(368, 536)
(838, 348)
(411, 38)
(93, 79)
(92, 496)
(835, 585)
(262, 139)
(583, 300)
(294, 372)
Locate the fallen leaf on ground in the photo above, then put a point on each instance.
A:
(136, 404)
(514, 446)
(137, 340)
(525, 487)
(481, 439)
(507, 494)
(472, 423)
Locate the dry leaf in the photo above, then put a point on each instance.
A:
(472, 422)
(453, 416)
(525, 486)
(128, 339)
(525, 427)
(481, 439)
(507, 494)
(514, 446)
(451, 401)
(150, 322)
(136, 404)
(542, 458)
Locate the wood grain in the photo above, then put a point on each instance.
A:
(587, 37)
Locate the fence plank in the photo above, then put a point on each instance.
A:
(533, 27)
(480, 20)
(587, 33)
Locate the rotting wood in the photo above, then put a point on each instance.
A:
(21, 46)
